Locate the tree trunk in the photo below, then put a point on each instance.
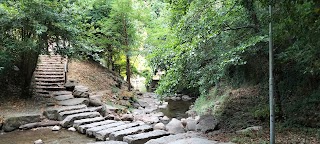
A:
(128, 72)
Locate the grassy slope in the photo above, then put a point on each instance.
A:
(245, 107)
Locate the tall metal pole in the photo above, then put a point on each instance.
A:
(271, 80)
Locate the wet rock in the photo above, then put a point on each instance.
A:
(175, 126)
(39, 141)
(73, 102)
(55, 128)
(13, 123)
(127, 117)
(249, 129)
(144, 137)
(207, 123)
(72, 129)
(159, 126)
(186, 98)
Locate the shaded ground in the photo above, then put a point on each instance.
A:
(46, 134)
(246, 107)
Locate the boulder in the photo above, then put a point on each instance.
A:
(95, 102)
(207, 123)
(13, 123)
(147, 118)
(175, 126)
(191, 124)
(70, 85)
(81, 92)
(165, 118)
(159, 126)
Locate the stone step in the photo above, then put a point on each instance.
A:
(195, 141)
(83, 128)
(50, 65)
(52, 112)
(48, 73)
(68, 121)
(102, 135)
(48, 76)
(171, 138)
(50, 70)
(50, 88)
(144, 137)
(49, 84)
(63, 115)
(118, 135)
(109, 142)
(77, 123)
(57, 93)
(92, 131)
(63, 97)
(48, 80)
(73, 102)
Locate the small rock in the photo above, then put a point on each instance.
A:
(186, 98)
(127, 117)
(249, 129)
(39, 141)
(184, 122)
(163, 106)
(159, 126)
(175, 126)
(197, 118)
(56, 128)
(165, 118)
(72, 129)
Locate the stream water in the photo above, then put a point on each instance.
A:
(46, 135)
(177, 109)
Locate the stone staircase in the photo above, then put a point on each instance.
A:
(49, 75)
(90, 122)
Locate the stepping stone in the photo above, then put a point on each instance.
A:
(83, 128)
(102, 135)
(171, 138)
(57, 93)
(193, 141)
(144, 137)
(118, 135)
(73, 102)
(77, 123)
(53, 112)
(63, 97)
(63, 115)
(92, 131)
(109, 142)
(68, 121)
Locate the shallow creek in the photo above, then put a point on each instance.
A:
(46, 134)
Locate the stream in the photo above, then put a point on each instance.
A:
(46, 134)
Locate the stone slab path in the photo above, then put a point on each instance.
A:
(87, 120)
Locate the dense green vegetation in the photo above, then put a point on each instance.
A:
(202, 45)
